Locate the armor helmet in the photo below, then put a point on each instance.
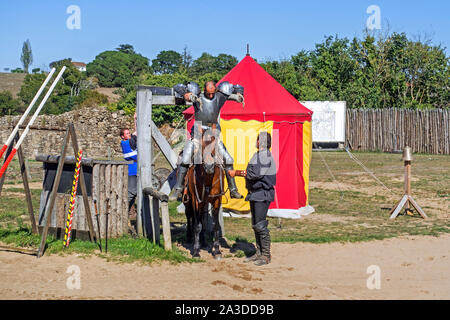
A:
(193, 87)
(180, 90)
(225, 87)
(238, 89)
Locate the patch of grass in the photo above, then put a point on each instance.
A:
(124, 249)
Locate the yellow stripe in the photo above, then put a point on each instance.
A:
(239, 137)
(307, 153)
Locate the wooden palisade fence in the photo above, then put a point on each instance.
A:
(390, 130)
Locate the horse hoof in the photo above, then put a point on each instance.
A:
(196, 255)
(218, 257)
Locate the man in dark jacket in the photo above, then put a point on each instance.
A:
(260, 179)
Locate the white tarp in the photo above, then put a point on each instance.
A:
(328, 120)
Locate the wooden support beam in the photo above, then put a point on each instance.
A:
(166, 225)
(26, 187)
(50, 204)
(165, 147)
(399, 207)
(144, 141)
(87, 207)
(417, 207)
(164, 100)
(156, 194)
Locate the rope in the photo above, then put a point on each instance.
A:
(353, 157)
(331, 173)
(68, 231)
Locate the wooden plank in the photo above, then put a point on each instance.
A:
(60, 213)
(418, 208)
(108, 196)
(119, 186)
(144, 141)
(163, 100)
(155, 193)
(165, 147)
(95, 191)
(155, 221)
(399, 207)
(80, 213)
(102, 199)
(45, 195)
(114, 201)
(166, 226)
(125, 200)
(26, 186)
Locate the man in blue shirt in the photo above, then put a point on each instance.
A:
(129, 150)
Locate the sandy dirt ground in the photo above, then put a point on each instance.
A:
(410, 268)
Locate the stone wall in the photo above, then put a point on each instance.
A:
(97, 131)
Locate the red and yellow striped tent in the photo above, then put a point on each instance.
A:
(270, 107)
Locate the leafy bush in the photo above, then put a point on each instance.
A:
(8, 105)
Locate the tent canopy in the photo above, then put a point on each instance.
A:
(265, 98)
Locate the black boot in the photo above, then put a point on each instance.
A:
(179, 185)
(258, 250)
(234, 193)
(264, 236)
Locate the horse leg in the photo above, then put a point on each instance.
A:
(188, 214)
(197, 230)
(189, 237)
(204, 233)
(216, 247)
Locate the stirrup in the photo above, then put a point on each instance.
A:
(234, 194)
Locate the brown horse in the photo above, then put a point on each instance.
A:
(204, 186)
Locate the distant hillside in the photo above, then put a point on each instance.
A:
(112, 97)
(11, 82)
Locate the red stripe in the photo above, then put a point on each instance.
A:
(6, 164)
(2, 151)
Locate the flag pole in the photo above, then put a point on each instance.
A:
(22, 119)
(36, 113)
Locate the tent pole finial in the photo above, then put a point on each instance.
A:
(248, 49)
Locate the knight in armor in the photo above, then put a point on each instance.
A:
(207, 105)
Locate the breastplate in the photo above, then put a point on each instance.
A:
(211, 109)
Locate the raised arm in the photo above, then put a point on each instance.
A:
(189, 92)
(232, 92)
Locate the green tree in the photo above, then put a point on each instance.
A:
(117, 68)
(167, 62)
(27, 55)
(126, 48)
(203, 64)
(186, 60)
(224, 63)
(8, 105)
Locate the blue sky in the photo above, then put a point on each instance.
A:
(275, 29)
